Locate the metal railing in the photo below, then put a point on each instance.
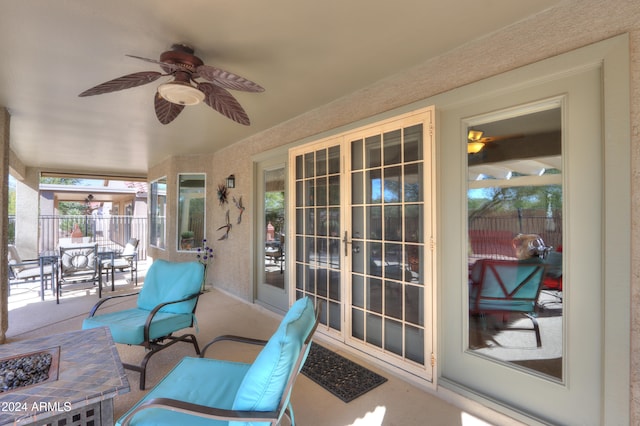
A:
(111, 232)
(492, 235)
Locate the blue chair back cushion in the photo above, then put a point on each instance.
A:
(167, 281)
(507, 286)
(263, 385)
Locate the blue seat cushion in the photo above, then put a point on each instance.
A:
(203, 381)
(264, 383)
(231, 385)
(127, 326)
(505, 305)
(169, 281)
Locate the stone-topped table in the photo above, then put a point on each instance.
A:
(89, 376)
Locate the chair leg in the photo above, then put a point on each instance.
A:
(536, 328)
(154, 348)
(289, 412)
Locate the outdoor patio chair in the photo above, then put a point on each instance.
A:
(207, 391)
(78, 264)
(506, 287)
(24, 270)
(275, 255)
(553, 277)
(128, 259)
(166, 304)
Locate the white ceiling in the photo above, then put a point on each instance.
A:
(304, 53)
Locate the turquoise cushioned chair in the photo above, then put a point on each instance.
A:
(204, 391)
(507, 287)
(166, 304)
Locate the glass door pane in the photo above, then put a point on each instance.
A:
(271, 245)
(317, 231)
(274, 218)
(388, 242)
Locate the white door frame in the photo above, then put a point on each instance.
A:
(426, 117)
(596, 355)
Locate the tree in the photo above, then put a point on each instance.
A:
(501, 199)
(66, 208)
(274, 209)
(60, 181)
(12, 197)
(71, 208)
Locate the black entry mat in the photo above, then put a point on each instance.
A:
(340, 376)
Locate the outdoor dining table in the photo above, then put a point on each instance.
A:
(51, 257)
(48, 257)
(105, 253)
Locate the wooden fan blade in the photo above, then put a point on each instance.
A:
(124, 82)
(166, 111)
(227, 79)
(224, 102)
(165, 65)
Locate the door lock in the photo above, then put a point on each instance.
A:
(346, 241)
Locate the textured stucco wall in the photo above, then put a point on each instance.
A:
(231, 266)
(635, 225)
(27, 191)
(5, 120)
(571, 25)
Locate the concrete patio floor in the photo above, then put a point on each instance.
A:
(396, 402)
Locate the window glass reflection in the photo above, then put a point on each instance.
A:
(515, 244)
(392, 185)
(274, 217)
(392, 147)
(158, 213)
(191, 211)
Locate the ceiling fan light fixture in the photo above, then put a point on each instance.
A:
(475, 135)
(180, 93)
(474, 147)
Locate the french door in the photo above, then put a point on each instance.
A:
(271, 285)
(362, 236)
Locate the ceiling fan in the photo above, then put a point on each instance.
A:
(185, 88)
(476, 141)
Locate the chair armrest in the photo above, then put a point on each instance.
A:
(101, 301)
(260, 342)
(233, 338)
(28, 262)
(126, 256)
(202, 411)
(155, 310)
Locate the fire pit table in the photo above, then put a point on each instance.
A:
(84, 375)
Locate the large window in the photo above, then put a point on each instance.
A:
(158, 213)
(514, 205)
(191, 211)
